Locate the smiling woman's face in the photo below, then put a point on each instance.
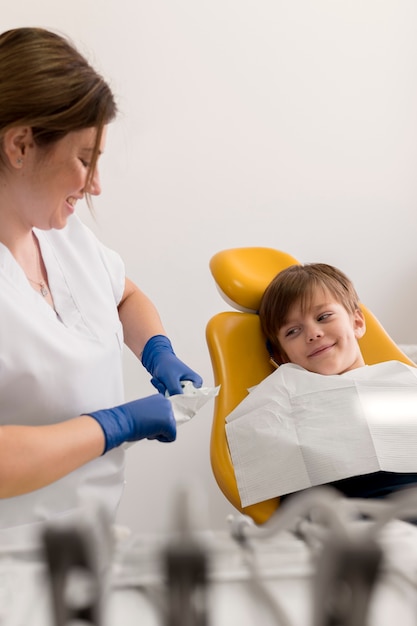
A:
(55, 181)
(324, 337)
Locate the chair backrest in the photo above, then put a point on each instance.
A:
(239, 356)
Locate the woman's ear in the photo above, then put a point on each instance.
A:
(16, 142)
(359, 324)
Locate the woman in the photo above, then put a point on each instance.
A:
(65, 303)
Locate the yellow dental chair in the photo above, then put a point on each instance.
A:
(239, 356)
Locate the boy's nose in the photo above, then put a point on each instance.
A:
(314, 333)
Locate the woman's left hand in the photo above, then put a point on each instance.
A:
(165, 367)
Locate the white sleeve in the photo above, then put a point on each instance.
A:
(116, 270)
(112, 261)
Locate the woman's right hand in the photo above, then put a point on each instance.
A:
(147, 418)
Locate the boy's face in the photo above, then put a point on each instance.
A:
(324, 338)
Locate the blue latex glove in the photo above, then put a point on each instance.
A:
(166, 369)
(146, 418)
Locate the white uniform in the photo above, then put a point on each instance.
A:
(54, 366)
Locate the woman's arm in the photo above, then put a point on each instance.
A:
(32, 457)
(145, 336)
(139, 317)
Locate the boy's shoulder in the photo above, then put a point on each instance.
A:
(383, 370)
(299, 381)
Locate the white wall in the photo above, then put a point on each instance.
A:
(290, 124)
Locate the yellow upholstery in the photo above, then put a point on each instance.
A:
(239, 356)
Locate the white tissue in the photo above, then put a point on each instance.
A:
(185, 405)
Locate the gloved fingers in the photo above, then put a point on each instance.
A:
(170, 385)
(144, 418)
(165, 438)
(173, 386)
(194, 378)
(166, 369)
(154, 418)
(159, 385)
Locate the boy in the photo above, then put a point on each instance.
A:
(312, 321)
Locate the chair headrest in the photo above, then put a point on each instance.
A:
(243, 274)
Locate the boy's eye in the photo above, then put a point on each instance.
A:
(323, 316)
(291, 332)
(85, 163)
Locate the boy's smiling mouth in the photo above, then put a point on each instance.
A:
(321, 350)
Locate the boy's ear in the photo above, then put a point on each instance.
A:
(359, 324)
(279, 358)
(276, 357)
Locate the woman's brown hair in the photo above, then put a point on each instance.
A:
(45, 83)
(296, 285)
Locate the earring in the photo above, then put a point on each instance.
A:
(19, 161)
